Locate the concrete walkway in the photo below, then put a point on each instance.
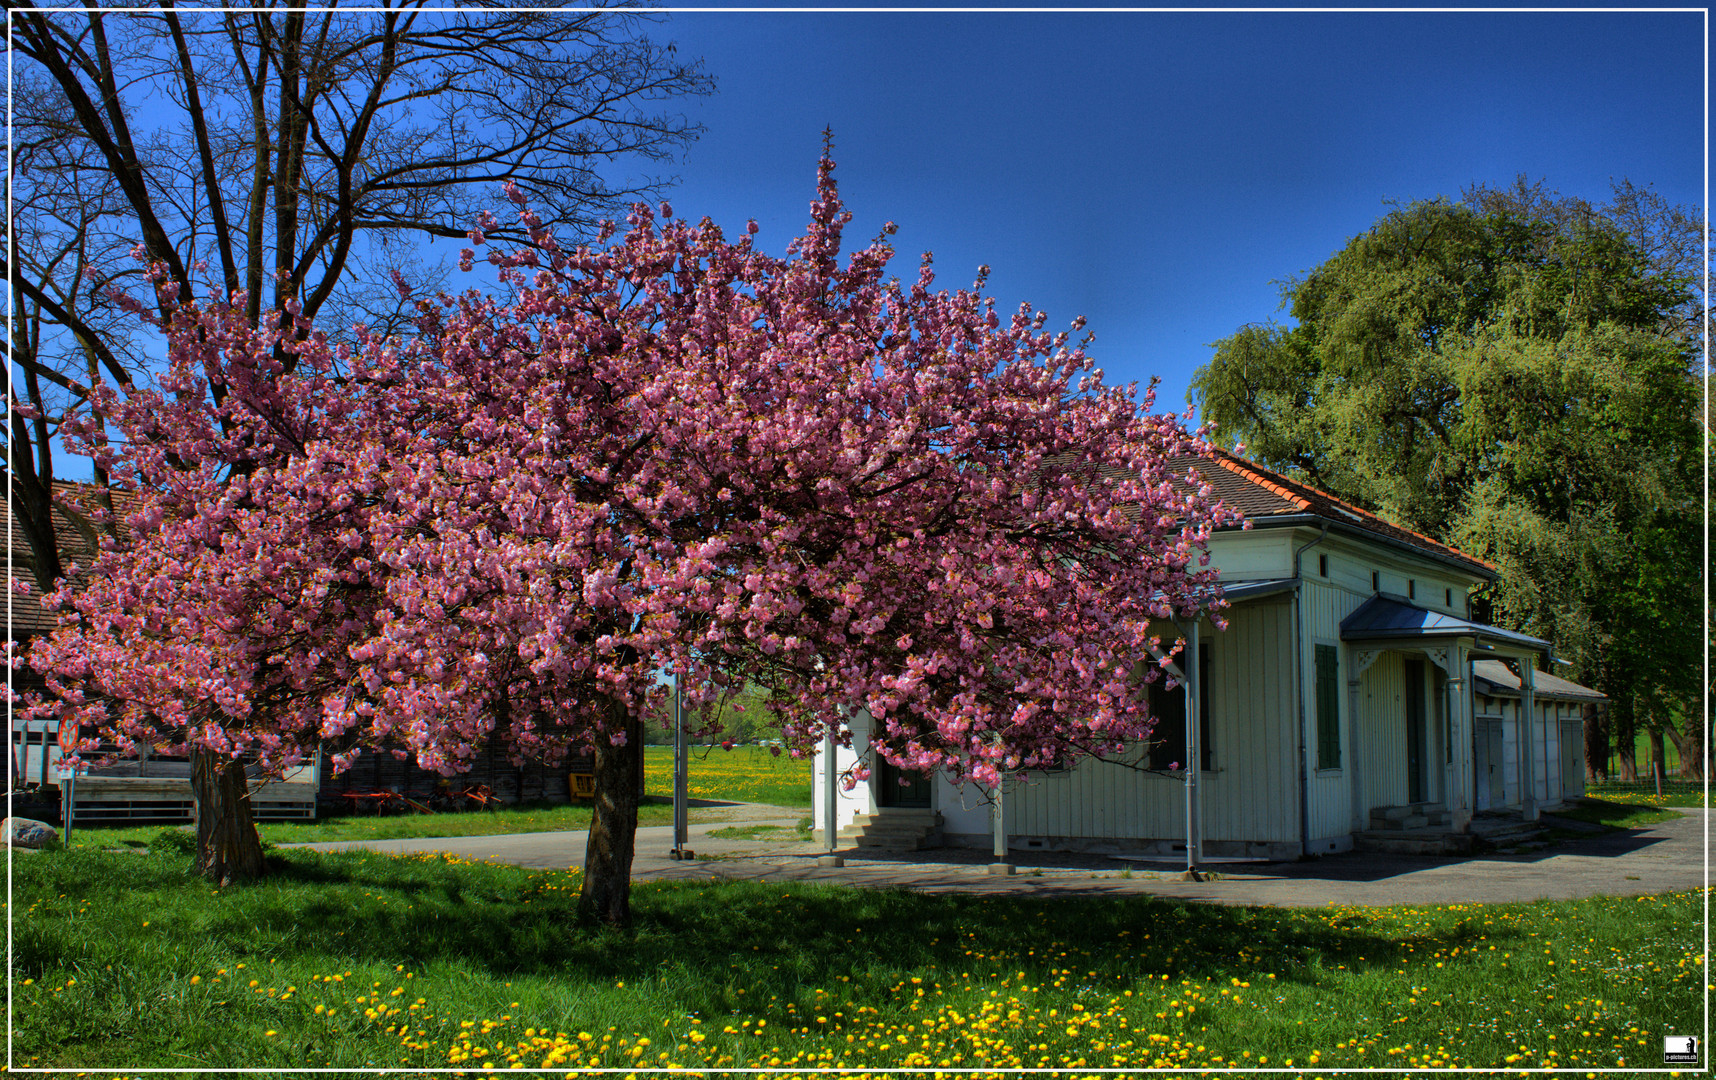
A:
(1667, 857)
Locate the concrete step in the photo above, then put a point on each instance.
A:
(1411, 816)
(1381, 824)
(1419, 841)
(1507, 836)
(895, 830)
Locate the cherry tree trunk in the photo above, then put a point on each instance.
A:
(228, 847)
(607, 893)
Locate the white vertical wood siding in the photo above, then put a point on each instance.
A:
(1324, 606)
(1510, 751)
(1382, 719)
(848, 804)
(1251, 793)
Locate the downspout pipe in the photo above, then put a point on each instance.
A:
(1299, 695)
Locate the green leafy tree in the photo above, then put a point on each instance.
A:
(1512, 374)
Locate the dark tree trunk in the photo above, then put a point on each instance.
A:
(1623, 722)
(1690, 747)
(1658, 753)
(228, 847)
(1596, 742)
(606, 896)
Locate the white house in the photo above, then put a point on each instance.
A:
(1350, 691)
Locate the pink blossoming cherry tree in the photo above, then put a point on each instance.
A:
(666, 452)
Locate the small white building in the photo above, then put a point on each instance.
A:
(1349, 692)
(1557, 737)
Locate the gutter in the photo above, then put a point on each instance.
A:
(1299, 696)
(1283, 521)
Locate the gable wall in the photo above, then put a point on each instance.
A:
(1249, 796)
(1326, 601)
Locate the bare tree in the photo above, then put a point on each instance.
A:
(297, 154)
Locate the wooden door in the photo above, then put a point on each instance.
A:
(901, 787)
(1415, 756)
(1487, 765)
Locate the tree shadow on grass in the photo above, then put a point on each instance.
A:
(760, 945)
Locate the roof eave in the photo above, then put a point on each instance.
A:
(1281, 521)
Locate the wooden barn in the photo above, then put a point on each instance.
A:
(1345, 701)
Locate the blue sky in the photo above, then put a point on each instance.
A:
(1159, 172)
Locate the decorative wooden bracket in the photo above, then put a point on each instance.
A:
(1359, 662)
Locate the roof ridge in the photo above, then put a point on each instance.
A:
(1275, 482)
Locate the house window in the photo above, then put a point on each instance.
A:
(1328, 707)
(1323, 565)
(1412, 589)
(1375, 581)
(1447, 597)
(1168, 740)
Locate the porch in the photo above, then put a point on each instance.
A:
(1425, 762)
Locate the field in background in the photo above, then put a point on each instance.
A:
(742, 774)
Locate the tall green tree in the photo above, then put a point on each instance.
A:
(1512, 374)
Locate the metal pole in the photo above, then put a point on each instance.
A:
(1194, 815)
(70, 789)
(829, 807)
(681, 779)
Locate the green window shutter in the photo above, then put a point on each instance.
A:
(1328, 707)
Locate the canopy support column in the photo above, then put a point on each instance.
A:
(1527, 739)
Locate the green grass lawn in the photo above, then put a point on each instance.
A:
(801, 832)
(1617, 813)
(1643, 793)
(356, 960)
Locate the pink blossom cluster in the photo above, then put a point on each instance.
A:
(669, 452)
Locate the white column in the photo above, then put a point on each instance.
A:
(830, 803)
(1460, 778)
(1457, 788)
(998, 829)
(1527, 740)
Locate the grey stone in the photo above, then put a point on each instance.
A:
(28, 832)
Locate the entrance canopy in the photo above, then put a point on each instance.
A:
(1392, 618)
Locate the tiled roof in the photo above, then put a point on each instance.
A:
(28, 616)
(1494, 678)
(1260, 493)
